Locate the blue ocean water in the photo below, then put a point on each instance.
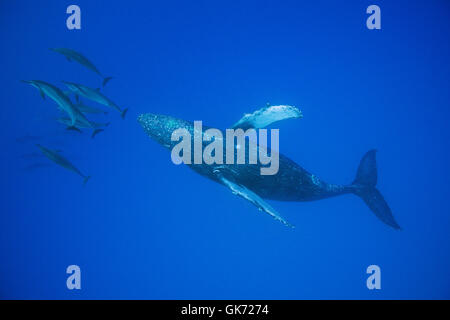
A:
(143, 228)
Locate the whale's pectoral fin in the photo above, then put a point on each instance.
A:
(263, 117)
(253, 198)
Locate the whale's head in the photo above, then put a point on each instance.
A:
(160, 127)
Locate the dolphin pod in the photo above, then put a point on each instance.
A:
(76, 118)
(290, 183)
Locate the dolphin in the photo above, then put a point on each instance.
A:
(56, 95)
(60, 160)
(98, 126)
(94, 95)
(81, 59)
(88, 109)
(63, 102)
(290, 183)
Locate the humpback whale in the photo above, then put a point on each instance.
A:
(291, 183)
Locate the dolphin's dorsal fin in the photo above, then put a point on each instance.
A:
(42, 93)
(252, 197)
(269, 114)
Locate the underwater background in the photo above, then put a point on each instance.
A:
(144, 228)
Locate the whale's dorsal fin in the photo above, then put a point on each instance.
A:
(263, 117)
(253, 198)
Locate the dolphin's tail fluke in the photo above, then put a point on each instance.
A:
(95, 132)
(364, 187)
(86, 180)
(124, 112)
(73, 128)
(106, 80)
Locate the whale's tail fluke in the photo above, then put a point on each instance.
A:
(364, 187)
